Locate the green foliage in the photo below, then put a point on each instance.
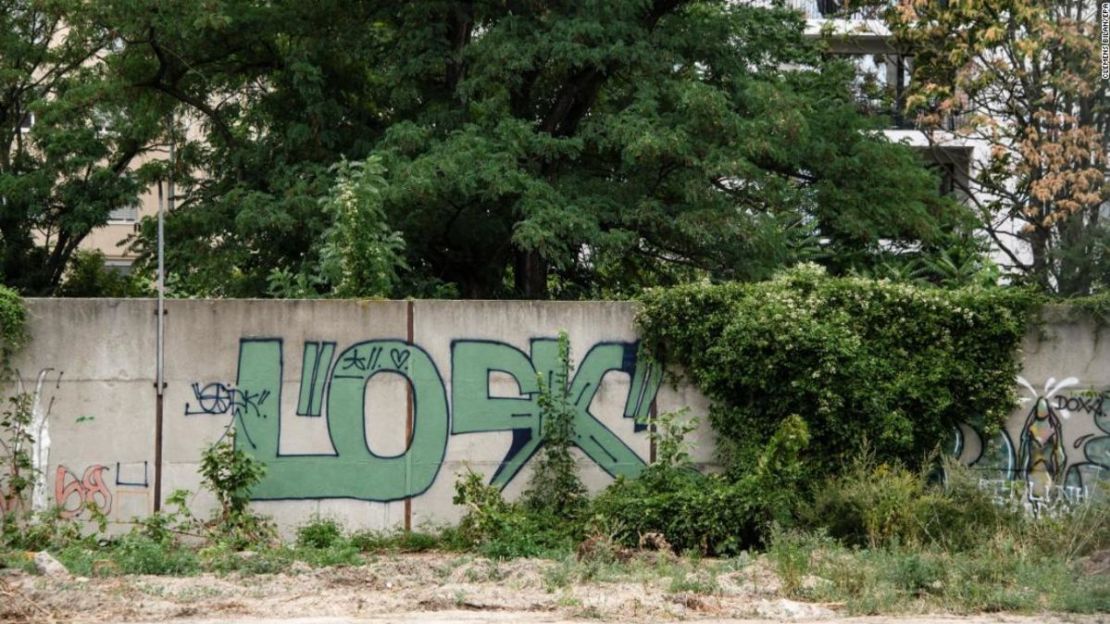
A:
(230, 473)
(891, 365)
(46, 530)
(361, 256)
(555, 487)
(1010, 569)
(668, 436)
(882, 505)
(319, 533)
(65, 174)
(1096, 307)
(399, 541)
(709, 514)
(550, 516)
(535, 150)
(791, 553)
(499, 529)
(13, 327)
(15, 439)
(88, 276)
(947, 544)
(137, 554)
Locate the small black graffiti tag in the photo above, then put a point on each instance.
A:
(220, 399)
(1092, 404)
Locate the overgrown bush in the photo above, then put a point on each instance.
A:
(550, 516)
(135, 553)
(710, 514)
(882, 505)
(500, 529)
(894, 365)
(1009, 569)
(89, 276)
(13, 326)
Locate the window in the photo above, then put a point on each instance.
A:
(947, 174)
(840, 9)
(881, 83)
(127, 214)
(952, 167)
(829, 7)
(27, 122)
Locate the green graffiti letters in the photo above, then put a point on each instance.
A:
(353, 470)
(476, 411)
(335, 387)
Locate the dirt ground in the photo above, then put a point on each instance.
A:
(426, 589)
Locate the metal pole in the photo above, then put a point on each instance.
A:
(158, 366)
(161, 291)
(160, 383)
(162, 258)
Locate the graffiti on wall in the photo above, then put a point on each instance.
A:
(1062, 449)
(75, 494)
(36, 433)
(334, 387)
(222, 399)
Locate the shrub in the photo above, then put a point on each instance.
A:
(89, 276)
(879, 505)
(500, 529)
(893, 364)
(13, 326)
(230, 474)
(320, 533)
(709, 514)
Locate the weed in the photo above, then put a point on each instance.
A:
(559, 576)
(136, 554)
(555, 487)
(792, 554)
(230, 474)
(320, 533)
(694, 583)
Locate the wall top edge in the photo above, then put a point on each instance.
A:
(334, 301)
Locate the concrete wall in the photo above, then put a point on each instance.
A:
(368, 412)
(1058, 440)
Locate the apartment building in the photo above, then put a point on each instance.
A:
(883, 78)
(112, 239)
(861, 36)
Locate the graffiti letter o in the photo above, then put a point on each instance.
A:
(413, 471)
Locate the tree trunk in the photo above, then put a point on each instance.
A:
(1038, 242)
(1077, 263)
(530, 275)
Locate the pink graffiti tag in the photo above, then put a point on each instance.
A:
(89, 489)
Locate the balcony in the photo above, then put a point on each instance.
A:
(838, 9)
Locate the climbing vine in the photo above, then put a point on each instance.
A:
(865, 362)
(13, 319)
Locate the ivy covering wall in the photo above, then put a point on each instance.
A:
(13, 317)
(866, 363)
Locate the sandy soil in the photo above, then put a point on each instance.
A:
(424, 589)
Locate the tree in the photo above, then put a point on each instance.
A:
(531, 149)
(1022, 77)
(69, 135)
(361, 255)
